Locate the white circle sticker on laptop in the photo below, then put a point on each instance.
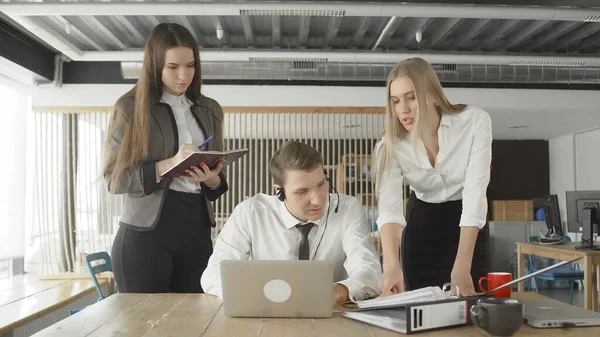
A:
(277, 291)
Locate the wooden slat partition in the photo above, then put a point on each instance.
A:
(345, 136)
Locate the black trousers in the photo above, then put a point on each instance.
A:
(172, 256)
(430, 243)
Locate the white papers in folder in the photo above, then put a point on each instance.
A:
(391, 319)
(413, 296)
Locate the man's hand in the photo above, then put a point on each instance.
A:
(340, 293)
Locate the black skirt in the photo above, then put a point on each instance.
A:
(430, 242)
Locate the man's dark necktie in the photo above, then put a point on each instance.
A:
(303, 249)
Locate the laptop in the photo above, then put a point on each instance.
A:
(277, 288)
(549, 313)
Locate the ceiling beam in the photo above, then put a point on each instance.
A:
(445, 29)
(354, 57)
(589, 44)
(523, 34)
(276, 30)
(78, 33)
(105, 31)
(153, 20)
(363, 26)
(475, 29)
(350, 9)
(304, 30)
(504, 27)
(127, 28)
(332, 30)
(185, 21)
(561, 29)
(248, 31)
(387, 32)
(580, 34)
(22, 50)
(49, 36)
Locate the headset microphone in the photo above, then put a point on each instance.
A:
(280, 193)
(337, 205)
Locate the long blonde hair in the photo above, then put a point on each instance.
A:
(134, 145)
(426, 86)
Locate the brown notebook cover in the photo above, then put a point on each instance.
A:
(210, 158)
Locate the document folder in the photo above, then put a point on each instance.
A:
(420, 316)
(411, 312)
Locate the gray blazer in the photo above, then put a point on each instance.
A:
(144, 197)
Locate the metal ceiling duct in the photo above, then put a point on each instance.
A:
(357, 57)
(311, 70)
(131, 70)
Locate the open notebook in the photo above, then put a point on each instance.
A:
(407, 297)
(210, 158)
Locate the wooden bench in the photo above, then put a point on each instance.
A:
(26, 298)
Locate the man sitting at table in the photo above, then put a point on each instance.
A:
(302, 221)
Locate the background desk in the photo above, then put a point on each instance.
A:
(194, 315)
(589, 260)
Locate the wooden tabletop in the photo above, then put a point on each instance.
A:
(26, 298)
(567, 247)
(194, 315)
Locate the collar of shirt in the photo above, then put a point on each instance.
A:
(290, 221)
(175, 101)
(446, 120)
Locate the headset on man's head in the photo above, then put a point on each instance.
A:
(280, 193)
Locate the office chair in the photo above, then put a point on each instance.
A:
(569, 273)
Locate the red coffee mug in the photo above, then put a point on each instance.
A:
(495, 280)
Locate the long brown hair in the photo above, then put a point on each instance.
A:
(426, 86)
(134, 146)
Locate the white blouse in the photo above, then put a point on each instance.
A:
(462, 169)
(189, 132)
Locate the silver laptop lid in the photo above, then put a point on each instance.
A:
(549, 312)
(277, 288)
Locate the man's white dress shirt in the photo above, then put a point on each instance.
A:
(261, 228)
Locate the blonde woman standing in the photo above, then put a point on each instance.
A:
(444, 153)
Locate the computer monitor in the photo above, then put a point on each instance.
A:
(552, 215)
(576, 202)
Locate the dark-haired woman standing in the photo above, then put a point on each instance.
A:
(164, 237)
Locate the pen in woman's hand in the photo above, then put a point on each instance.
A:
(205, 142)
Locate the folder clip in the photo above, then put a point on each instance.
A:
(447, 289)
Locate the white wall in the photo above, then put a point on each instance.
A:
(542, 110)
(562, 170)
(587, 160)
(574, 165)
(18, 77)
